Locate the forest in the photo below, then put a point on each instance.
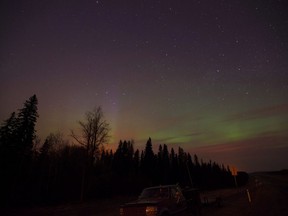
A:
(58, 171)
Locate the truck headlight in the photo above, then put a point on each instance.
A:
(151, 210)
(121, 211)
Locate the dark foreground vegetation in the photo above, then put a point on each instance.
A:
(35, 173)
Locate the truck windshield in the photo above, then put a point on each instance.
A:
(155, 193)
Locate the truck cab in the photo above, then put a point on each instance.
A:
(156, 201)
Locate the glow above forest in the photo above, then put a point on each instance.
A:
(209, 77)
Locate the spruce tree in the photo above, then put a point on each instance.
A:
(26, 132)
(7, 135)
(149, 160)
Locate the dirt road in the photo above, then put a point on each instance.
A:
(268, 193)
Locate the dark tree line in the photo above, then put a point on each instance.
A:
(130, 170)
(17, 136)
(52, 172)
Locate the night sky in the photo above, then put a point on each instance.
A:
(210, 76)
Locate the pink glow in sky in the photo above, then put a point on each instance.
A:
(209, 76)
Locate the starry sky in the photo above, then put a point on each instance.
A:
(210, 76)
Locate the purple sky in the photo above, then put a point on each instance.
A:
(209, 76)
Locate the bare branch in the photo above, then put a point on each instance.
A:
(94, 130)
(76, 138)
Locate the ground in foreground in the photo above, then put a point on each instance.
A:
(268, 197)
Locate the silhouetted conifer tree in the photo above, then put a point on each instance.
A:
(123, 160)
(166, 164)
(7, 134)
(174, 167)
(16, 145)
(149, 158)
(26, 121)
(136, 161)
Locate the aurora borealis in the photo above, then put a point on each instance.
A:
(209, 76)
